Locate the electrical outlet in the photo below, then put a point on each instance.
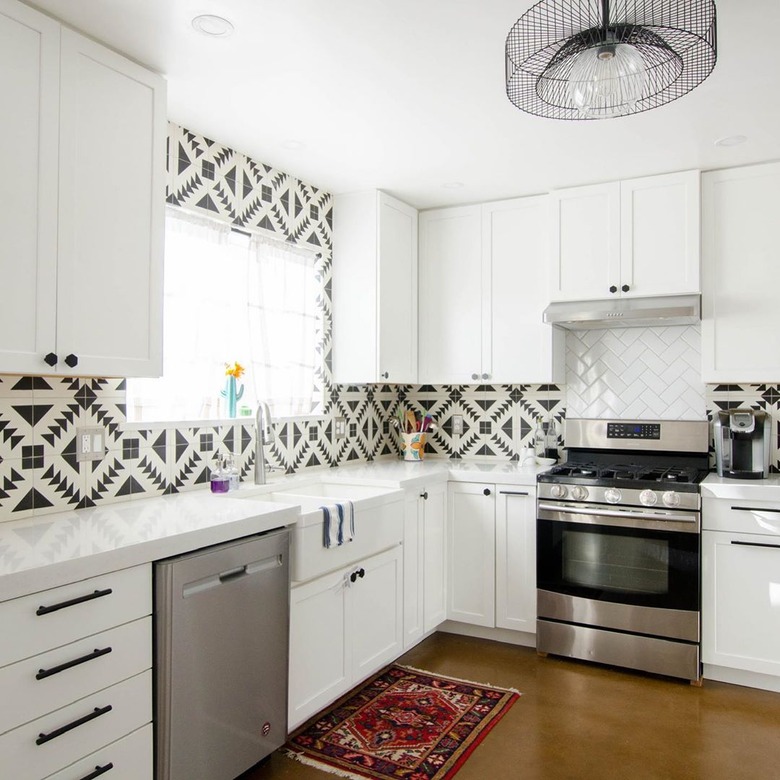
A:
(90, 443)
(457, 424)
(340, 427)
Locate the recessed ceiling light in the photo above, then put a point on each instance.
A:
(213, 26)
(452, 185)
(731, 140)
(291, 144)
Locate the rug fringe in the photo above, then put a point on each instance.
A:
(460, 679)
(313, 762)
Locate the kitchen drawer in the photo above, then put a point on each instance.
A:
(131, 707)
(73, 611)
(125, 651)
(740, 515)
(129, 758)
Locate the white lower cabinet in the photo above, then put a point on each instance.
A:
(343, 626)
(492, 556)
(741, 592)
(76, 663)
(425, 572)
(129, 758)
(471, 554)
(516, 558)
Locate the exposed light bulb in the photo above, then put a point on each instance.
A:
(607, 80)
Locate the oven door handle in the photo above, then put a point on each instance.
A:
(688, 523)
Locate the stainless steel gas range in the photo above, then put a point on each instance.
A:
(618, 545)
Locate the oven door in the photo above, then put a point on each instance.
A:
(633, 557)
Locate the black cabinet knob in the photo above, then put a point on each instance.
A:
(386, 375)
(486, 491)
(71, 360)
(625, 288)
(613, 289)
(361, 573)
(424, 495)
(353, 576)
(51, 359)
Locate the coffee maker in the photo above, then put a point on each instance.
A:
(742, 438)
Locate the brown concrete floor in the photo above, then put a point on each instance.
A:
(577, 720)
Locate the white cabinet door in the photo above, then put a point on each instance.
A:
(659, 235)
(516, 250)
(741, 601)
(376, 612)
(320, 649)
(111, 201)
(451, 295)
(435, 558)
(471, 554)
(397, 361)
(374, 289)
(740, 331)
(516, 559)
(29, 92)
(414, 566)
(585, 242)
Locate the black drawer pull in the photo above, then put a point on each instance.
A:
(72, 602)
(758, 544)
(99, 770)
(755, 509)
(96, 713)
(513, 493)
(43, 673)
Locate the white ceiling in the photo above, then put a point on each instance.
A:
(408, 95)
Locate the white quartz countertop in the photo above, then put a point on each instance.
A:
(50, 550)
(767, 489)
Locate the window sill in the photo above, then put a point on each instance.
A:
(161, 425)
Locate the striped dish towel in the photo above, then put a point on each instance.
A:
(338, 524)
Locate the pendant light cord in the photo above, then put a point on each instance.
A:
(605, 17)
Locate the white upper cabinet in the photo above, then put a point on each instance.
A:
(741, 274)
(83, 192)
(483, 288)
(634, 238)
(112, 195)
(374, 289)
(452, 296)
(29, 81)
(521, 348)
(585, 242)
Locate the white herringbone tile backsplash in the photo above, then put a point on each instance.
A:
(635, 373)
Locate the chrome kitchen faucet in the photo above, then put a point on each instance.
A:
(263, 434)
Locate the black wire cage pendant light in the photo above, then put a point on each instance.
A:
(592, 59)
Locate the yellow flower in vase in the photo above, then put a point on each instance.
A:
(232, 393)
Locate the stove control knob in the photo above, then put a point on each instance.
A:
(613, 495)
(671, 498)
(648, 498)
(579, 493)
(558, 491)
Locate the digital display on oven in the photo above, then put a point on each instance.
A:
(633, 430)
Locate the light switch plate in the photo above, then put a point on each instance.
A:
(339, 427)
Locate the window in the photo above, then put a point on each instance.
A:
(233, 297)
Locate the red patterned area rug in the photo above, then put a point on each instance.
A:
(403, 724)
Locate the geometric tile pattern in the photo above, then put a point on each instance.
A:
(635, 373)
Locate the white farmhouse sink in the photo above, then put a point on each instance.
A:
(379, 524)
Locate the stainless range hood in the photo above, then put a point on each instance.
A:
(625, 312)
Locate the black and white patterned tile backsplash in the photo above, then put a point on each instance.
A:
(40, 418)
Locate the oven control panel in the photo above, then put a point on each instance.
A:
(633, 430)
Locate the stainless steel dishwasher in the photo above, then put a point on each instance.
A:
(221, 654)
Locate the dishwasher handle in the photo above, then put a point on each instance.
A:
(230, 575)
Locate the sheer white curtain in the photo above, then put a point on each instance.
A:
(232, 297)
